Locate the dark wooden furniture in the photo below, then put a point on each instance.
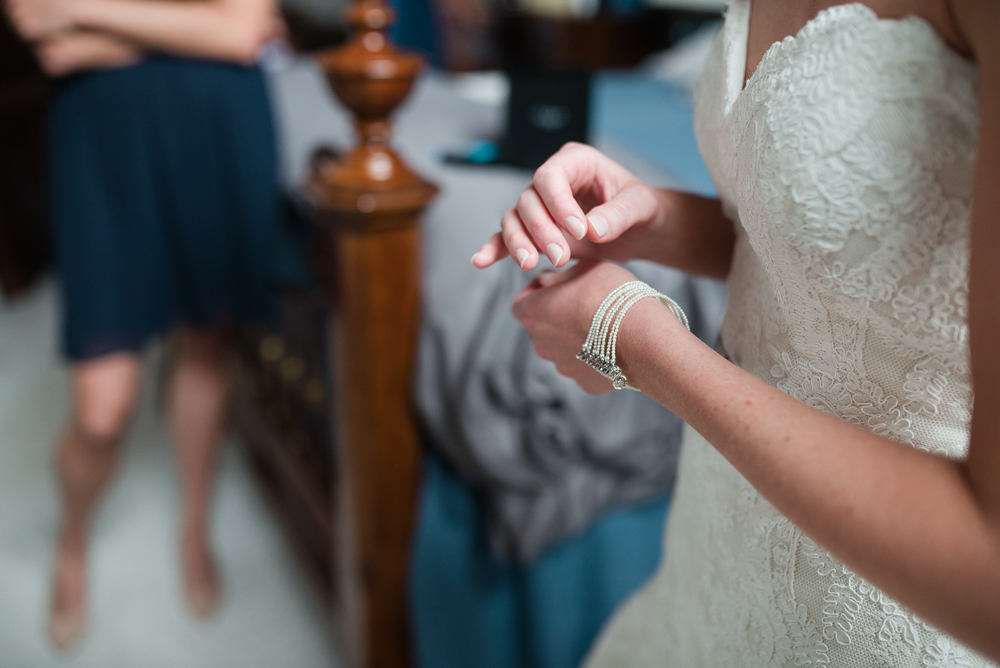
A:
(603, 41)
(24, 237)
(280, 408)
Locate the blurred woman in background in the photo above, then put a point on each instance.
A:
(165, 205)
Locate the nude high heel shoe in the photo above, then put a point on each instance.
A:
(66, 628)
(68, 611)
(202, 586)
(202, 598)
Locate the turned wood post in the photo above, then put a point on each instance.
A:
(368, 203)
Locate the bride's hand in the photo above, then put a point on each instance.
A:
(557, 308)
(578, 191)
(37, 19)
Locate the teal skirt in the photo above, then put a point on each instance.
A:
(164, 200)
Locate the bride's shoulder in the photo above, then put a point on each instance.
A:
(952, 20)
(978, 22)
(967, 26)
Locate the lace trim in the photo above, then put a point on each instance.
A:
(918, 31)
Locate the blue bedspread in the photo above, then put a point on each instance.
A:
(471, 610)
(653, 120)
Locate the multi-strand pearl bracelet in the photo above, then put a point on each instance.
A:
(599, 348)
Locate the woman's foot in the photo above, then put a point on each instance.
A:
(202, 587)
(68, 614)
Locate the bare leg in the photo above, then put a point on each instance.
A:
(87, 454)
(197, 404)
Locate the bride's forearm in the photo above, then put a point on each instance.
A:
(908, 521)
(689, 232)
(701, 236)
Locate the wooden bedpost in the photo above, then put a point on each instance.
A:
(368, 204)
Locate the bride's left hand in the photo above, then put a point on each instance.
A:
(557, 308)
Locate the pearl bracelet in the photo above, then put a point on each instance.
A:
(599, 349)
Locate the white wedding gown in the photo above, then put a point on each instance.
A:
(847, 161)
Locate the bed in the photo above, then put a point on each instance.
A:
(333, 405)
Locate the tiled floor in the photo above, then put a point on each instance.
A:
(138, 619)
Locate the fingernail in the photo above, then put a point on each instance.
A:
(599, 224)
(522, 256)
(555, 253)
(576, 227)
(473, 260)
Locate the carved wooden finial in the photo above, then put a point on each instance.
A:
(371, 78)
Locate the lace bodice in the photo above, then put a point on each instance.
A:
(847, 162)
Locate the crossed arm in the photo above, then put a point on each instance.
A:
(73, 35)
(923, 528)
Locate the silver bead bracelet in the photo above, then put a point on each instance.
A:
(599, 349)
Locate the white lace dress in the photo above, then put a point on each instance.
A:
(848, 162)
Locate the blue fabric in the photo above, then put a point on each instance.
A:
(165, 200)
(416, 30)
(469, 609)
(654, 120)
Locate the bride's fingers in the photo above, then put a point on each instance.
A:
(553, 184)
(518, 242)
(542, 228)
(492, 251)
(635, 203)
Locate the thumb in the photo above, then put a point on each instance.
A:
(635, 203)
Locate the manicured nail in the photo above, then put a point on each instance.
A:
(576, 227)
(522, 256)
(555, 253)
(599, 224)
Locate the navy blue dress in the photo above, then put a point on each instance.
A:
(165, 200)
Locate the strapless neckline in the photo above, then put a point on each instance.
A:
(736, 60)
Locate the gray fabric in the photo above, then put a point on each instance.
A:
(548, 457)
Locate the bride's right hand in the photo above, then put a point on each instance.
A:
(581, 192)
